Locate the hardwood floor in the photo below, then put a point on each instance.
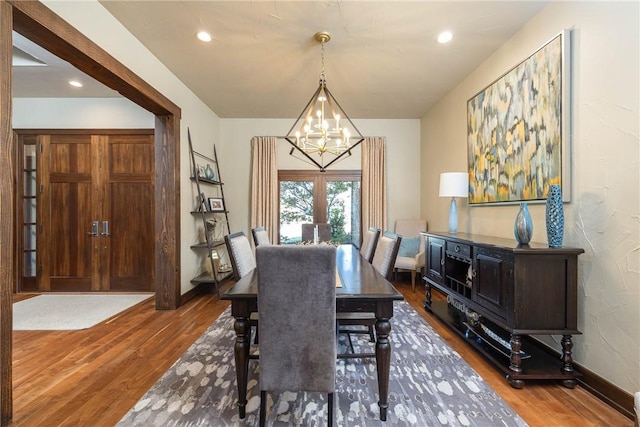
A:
(93, 377)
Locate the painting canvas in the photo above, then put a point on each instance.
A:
(517, 130)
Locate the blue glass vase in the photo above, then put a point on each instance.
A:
(523, 226)
(554, 216)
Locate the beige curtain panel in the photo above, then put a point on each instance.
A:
(374, 178)
(264, 185)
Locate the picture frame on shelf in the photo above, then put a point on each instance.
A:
(216, 204)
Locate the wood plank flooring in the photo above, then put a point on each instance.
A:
(93, 377)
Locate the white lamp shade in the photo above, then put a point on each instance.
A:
(454, 184)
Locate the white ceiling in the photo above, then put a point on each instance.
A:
(382, 61)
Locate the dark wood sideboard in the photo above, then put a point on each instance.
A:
(499, 293)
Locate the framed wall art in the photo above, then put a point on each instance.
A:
(518, 136)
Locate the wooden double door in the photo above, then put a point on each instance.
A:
(88, 226)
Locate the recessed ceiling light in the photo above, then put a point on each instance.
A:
(445, 37)
(75, 83)
(204, 36)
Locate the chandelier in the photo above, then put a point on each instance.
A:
(323, 132)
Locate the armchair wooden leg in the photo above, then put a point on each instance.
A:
(413, 280)
(331, 414)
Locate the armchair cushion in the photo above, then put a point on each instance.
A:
(409, 247)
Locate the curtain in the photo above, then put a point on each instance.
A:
(374, 180)
(264, 185)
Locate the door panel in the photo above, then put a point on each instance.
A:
(82, 179)
(67, 208)
(130, 212)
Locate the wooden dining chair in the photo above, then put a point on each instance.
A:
(300, 358)
(369, 242)
(383, 261)
(260, 236)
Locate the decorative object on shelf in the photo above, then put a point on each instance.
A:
(210, 229)
(323, 128)
(200, 171)
(224, 268)
(216, 204)
(454, 184)
(554, 216)
(523, 226)
(201, 203)
(209, 173)
(515, 107)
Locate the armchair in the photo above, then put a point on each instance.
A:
(411, 254)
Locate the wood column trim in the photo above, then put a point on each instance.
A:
(7, 209)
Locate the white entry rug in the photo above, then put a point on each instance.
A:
(70, 312)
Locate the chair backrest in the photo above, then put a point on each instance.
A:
(386, 252)
(369, 242)
(410, 229)
(324, 232)
(297, 327)
(260, 236)
(240, 254)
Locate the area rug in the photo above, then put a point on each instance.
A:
(430, 385)
(70, 312)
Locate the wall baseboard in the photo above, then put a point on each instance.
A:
(609, 393)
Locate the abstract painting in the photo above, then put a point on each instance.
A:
(517, 130)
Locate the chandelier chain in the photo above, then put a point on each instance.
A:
(322, 74)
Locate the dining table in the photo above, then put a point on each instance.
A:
(360, 289)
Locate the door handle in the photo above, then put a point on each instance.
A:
(94, 229)
(105, 228)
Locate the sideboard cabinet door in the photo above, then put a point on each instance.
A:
(435, 259)
(492, 285)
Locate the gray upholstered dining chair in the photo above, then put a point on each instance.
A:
(369, 242)
(383, 261)
(242, 262)
(260, 236)
(240, 254)
(324, 232)
(300, 358)
(386, 253)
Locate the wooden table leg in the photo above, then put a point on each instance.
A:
(515, 364)
(383, 362)
(567, 361)
(241, 352)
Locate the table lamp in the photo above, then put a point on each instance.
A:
(454, 184)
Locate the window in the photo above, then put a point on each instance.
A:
(318, 197)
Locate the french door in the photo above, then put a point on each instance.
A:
(87, 211)
(320, 197)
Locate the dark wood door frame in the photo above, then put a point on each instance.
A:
(38, 23)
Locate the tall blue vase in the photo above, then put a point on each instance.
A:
(554, 216)
(523, 226)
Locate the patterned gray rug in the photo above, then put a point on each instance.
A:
(430, 385)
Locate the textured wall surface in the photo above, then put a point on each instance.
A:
(603, 216)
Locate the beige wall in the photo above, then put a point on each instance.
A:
(403, 162)
(603, 216)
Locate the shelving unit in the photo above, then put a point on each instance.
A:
(205, 173)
